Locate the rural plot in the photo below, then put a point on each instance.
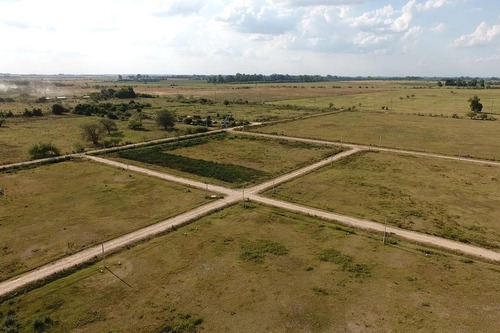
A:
(229, 159)
(264, 269)
(17, 135)
(434, 101)
(58, 209)
(450, 199)
(464, 137)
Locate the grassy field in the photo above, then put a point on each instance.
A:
(266, 157)
(262, 269)
(448, 136)
(58, 209)
(17, 135)
(451, 199)
(408, 100)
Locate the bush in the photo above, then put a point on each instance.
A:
(32, 113)
(135, 124)
(42, 324)
(2, 120)
(44, 150)
(58, 109)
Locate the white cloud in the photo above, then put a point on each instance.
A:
(431, 4)
(440, 27)
(259, 17)
(482, 60)
(365, 38)
(483, 35)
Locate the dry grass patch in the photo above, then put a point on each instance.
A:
(448, 136)
(195, 277)
(58, 209)
(451, 199)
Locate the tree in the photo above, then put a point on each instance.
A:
(92, 132)
(43, 150)
(127, 92)
(58, 109)
(165, 119)
(135, 123)
(475, 106)
(109, 125)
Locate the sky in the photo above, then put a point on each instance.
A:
(336, 37)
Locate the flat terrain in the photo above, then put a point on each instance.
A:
(17, 135)
(464, 137)
(262, 269)
(454, 200)
(401, 98)
(263, 158)
(58, 209)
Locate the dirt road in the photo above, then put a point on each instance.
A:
(232, 196)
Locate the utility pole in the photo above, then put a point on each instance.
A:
(244, 205)
(103, 256)
(380, 140)
(385, 227)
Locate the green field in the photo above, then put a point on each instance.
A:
(464, 137)
(230, 159)
(260, 270)
(59, 209)
(450, 199)
(17, 135)
(408, 100)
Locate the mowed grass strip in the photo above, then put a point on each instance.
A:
(464, 137)
(231, 159)
(312, 276)
(59, 209)
(451, 199)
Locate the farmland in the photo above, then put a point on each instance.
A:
(263, 269)
(447, 136)
(58, 209)
(231, 160)
(251, 267)
(447, 198)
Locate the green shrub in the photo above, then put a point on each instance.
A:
(135, 124)
(256, 250)
(44, 150)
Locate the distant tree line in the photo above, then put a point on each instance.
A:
(461, 82)
(276, 78)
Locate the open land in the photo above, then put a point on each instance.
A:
(259, 268)
(58, 209)
(458, 137)
(450, 199)
(229, 159)
(264, 269)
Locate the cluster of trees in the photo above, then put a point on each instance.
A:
(472, 83)
(107, 93)
(476, 107)
(277, 78)
(110, 110)
(93, 132)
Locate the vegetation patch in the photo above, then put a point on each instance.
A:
(182, 323)
(225, 172)
(256, 250)
(346, 262)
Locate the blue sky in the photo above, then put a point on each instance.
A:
(337, 37)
